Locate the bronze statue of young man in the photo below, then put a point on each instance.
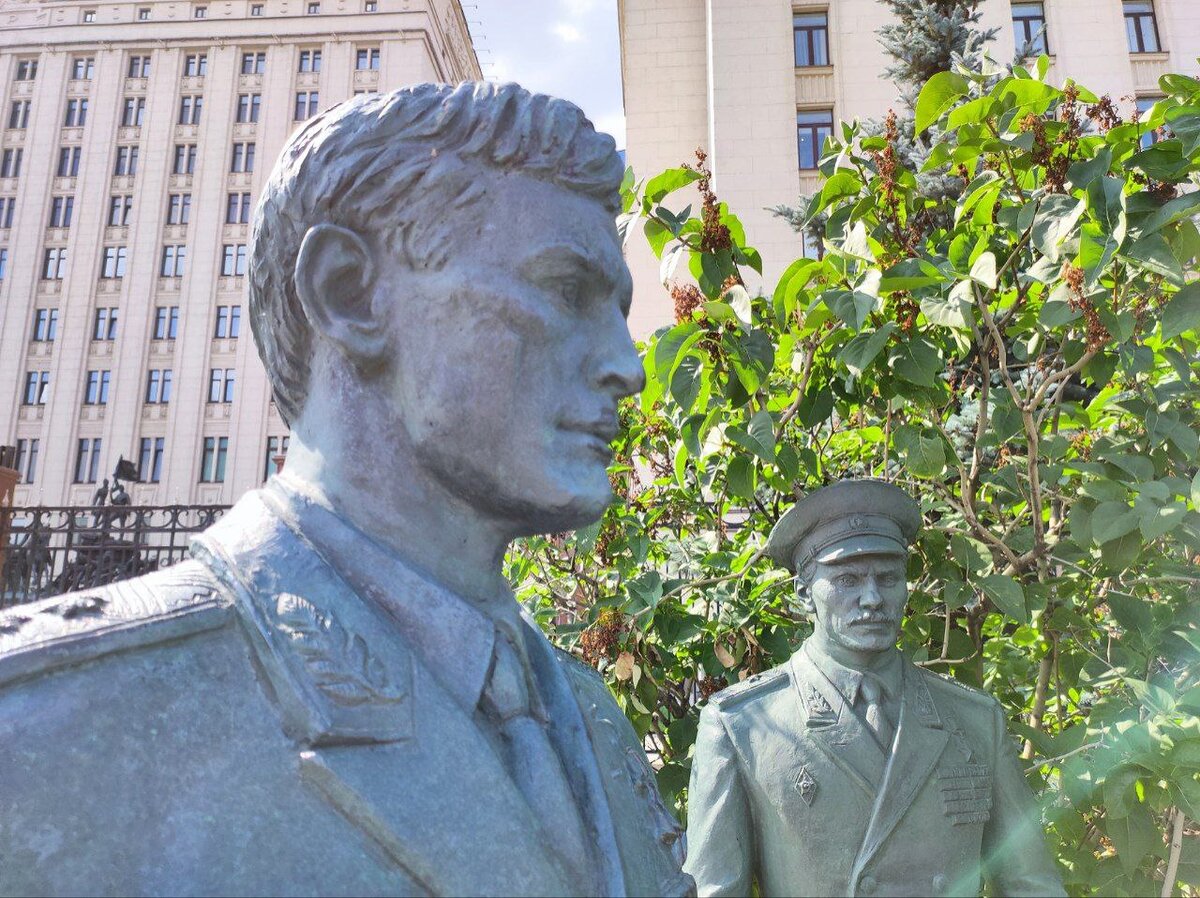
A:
(339, 694)
(849, 770)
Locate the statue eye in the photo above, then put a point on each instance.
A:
(571, 292)
(847, 580)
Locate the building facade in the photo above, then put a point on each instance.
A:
(136, 138)
(759, 83)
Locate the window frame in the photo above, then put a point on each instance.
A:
(814, 131)
(809, 32)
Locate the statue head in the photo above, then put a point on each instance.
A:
(438, 269)
(848, 546)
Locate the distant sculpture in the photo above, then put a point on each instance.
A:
(101, 494)
(849, 770)
(339, 694)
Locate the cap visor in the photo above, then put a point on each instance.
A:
(858, 546)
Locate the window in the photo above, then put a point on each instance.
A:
(212, 462)
(87, 461)
(310, 61)
(10, 163)
(366, 58)
(27, 459)
(185, 159)
(139, 66)
(37, 388)
(54, 264)
(150, 458)
(45, 325)
(200, 12)
(243, 158)
(189, 109)
(61, 210)
(371, 6)
(220, 385)
(256, 9)
(18, 116)
(248, 107)
(76, 116)
(233, 262)
(26, 69)
(127, 159)
(1141, 26)
(810, 31)
(105, 327)
(166, 322)
(89, 15)
(275, 446)
(314, 9)
(812, 129)
(97, 388)
(83, 68)
(1029, 28)
(68, 161)
(174, 261)
(229, 322)
(254, 63)
(3, 262)
(306, 105)
(144, 14)
(237, 208)
(195, 64)
(8, 205)
(114, 262)
(133, 112)
(158, 386)
(119, 209)
(1150, 136)
(179, 208)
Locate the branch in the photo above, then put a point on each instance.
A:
(1099, 743)
(1177, 820)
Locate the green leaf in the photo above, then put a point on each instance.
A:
(1056, 216)
(1155, 254)
(911, 274)
(667, 182)
(858, 354)
(1084, 172)
(1112, 520)
(1133, 835)
(740, 477)
(762, 431)
(1171, 212)
(1196, 492)
(924, 456)
(687, 381)
(938, 95)
(852, 308)
(917, 361)
(983, 271)
(1163, 520)
(1006, 594)
(1182, 313)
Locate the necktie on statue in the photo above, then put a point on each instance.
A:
(871, 693)
(529, 755)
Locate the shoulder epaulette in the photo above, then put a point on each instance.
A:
(754, 684)
(970, 691)
(79, 626)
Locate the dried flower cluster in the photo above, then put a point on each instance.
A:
(599, 641)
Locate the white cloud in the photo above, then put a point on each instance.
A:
(578, 8)
(566, 33)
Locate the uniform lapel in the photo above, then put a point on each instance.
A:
(380, 739)
(920, 740)
(834, 727)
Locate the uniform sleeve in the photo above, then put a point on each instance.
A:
(720, 838)
(1016, 861)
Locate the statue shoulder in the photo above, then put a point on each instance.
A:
(947, 686)
(754, 686)
(75, 627)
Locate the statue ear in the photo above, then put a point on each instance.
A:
(803, 596)
(335, 277)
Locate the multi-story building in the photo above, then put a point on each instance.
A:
(136, 136)
(760, 83)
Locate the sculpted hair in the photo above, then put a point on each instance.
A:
(395, 168)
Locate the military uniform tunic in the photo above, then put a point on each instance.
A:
(791, 790)
(263, 720)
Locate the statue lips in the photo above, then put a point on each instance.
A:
(598, 434)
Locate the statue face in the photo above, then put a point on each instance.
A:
(506, 365)
(859, 601)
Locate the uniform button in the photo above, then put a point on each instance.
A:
(866, 885)
(939, 883)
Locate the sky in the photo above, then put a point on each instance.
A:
(568, 48)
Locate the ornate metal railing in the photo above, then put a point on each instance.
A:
(50, 550)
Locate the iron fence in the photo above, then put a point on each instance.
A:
(51, 550)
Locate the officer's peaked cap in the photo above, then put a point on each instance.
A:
(845, 519)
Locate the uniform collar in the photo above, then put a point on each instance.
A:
(451, 638)
(886, 667)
